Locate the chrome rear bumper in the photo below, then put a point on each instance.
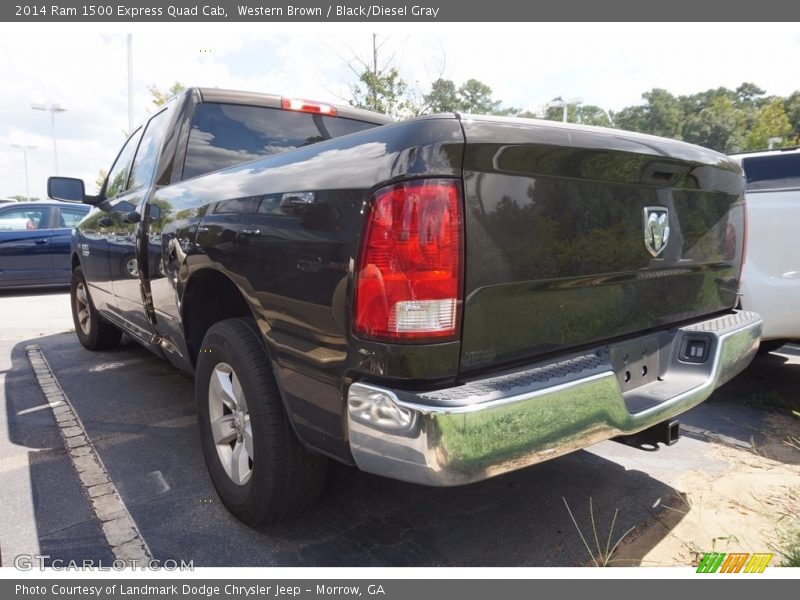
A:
(505, 422)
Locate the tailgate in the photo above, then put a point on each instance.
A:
(577, 235)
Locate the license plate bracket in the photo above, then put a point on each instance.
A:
(636, 362)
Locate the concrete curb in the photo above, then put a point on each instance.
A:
(119, 528)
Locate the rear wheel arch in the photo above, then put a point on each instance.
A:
(209, 296)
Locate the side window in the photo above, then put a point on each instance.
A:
(118, 176)
(70, 217)
(24, 219)
(145, 162)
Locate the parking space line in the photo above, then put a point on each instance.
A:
(119, 528)
(28, 411)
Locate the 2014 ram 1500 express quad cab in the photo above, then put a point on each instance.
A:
(439, 300)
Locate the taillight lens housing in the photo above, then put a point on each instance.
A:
(409, 276)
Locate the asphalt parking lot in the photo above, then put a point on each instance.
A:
(139, 413)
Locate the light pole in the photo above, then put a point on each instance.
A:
(52, 109)
(130, 82)
(25, 154)
(564, 104)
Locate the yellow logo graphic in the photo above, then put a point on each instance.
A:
(742, 562)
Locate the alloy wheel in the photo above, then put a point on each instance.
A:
(230, 424)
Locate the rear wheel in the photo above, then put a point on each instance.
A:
(259, 468)
(94, 333)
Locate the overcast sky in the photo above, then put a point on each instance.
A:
(84, 68)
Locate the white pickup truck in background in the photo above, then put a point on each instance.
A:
(771, 275)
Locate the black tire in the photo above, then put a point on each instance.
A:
(94, 333)
(284, 476)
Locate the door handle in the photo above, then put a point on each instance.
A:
(296, 202)
(40, 242)
(175, 252)
(105, 222)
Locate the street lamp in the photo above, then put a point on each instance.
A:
(772, 141)
(130, 82)
(564, 104)
(25, 154)
(52, 109)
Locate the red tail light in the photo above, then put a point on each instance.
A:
(408, 282)
(308, 106)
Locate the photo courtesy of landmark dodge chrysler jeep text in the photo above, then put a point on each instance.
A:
(439, 300)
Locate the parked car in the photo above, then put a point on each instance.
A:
(35, 243)
(771, 275)
(439, 300)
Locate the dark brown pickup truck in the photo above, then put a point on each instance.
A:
(439, 300)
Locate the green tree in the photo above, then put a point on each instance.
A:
(771, 121)
(749, 94)
(719, 126)
(631, 118)
(662, 114)
(98, 182)
(384, 92)
(443, 97)
(380, 87)
(508, 111)
(792, 108)
(719, 118)
(159, 97)
(473, 96)
(476, 97)
(590, 114)
(554, 111)
(695, 103)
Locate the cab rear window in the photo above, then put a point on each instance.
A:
(225, 135)
(777, 171)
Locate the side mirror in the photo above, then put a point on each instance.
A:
(69, 189)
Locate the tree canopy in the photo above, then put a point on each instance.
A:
(159, 97)
(722, 119)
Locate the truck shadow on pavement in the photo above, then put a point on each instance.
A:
(753, 411)
(139, 412)
(65, 525)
